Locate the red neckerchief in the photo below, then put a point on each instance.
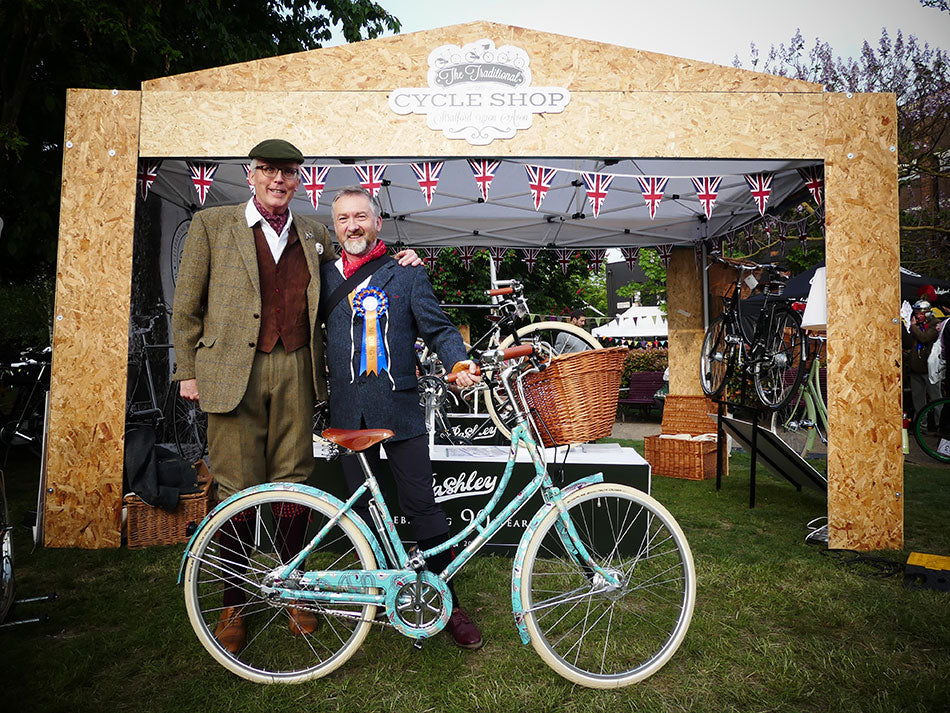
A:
(277, 222)
(353, 263)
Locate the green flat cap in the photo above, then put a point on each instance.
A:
(276, 150)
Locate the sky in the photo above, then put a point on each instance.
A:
(706, 30)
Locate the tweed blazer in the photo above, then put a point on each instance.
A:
(216, 316)
(387, 400)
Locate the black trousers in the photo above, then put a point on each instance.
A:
(412, 470)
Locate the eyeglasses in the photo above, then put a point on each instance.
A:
(271, 171)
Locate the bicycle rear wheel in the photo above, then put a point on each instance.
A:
(716, 359)
(228, 554)
(593, 634)
(931, 429)
(190, 424)
(549, 338)
(778, 371)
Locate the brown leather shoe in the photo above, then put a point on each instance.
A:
(302, 621)
(463, 631)
(230, 631)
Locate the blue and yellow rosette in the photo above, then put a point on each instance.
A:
(371, 303)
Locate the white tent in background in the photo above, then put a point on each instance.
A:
(636, 323)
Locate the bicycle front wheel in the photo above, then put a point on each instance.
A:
(549, 338)
(716, 358)
(779, 369)
(589, 632)
(931, 428)
(233, 557)
(7, 575)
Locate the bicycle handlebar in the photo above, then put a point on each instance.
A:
(501, 291)
(495, 355)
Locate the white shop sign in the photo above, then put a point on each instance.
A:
(479, 93)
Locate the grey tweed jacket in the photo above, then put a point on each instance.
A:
(216, 314)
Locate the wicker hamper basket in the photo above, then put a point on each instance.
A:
(676, 458)
(147, 525)
(574, 400)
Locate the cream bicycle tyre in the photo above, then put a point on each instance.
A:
(273, 653)
(527, 333)
(611, 637)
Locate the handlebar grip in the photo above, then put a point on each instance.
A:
(459, 368)
(501, 291)
(522, 350)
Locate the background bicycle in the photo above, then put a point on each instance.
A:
(28, 378)
(931, 429)
(771, 350)
(153, 400)
(802, 422)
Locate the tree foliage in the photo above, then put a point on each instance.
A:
(51, 45)
(548, 290)
(652, 290)
(919, 76)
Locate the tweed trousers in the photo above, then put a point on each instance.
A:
(269, 436)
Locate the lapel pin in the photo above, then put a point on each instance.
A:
(319, 247)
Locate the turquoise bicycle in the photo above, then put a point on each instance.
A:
(603, 581)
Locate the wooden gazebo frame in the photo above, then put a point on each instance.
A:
(624, 102)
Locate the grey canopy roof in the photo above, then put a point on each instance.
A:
(458, 217)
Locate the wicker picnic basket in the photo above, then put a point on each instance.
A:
(574, 400)
(147, 526)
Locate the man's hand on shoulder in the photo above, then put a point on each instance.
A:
(408, 258)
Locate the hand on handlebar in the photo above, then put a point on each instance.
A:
(466, 373)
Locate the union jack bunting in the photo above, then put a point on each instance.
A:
(430, 256)
(730, 239)
(248, 172)
(814, 178)
(202, 175)
(314, 181)
(803, 240)
(467, 252)
(750, 235)
(597, 186)
(148, 172)
(761, 186)
(371, 177)
(539, 181)
(707, 189)
(630, 255)
(665, 252)
(427, 174)
(652, 188)
(531, 257)
(497, 253)
(484, 172)
(564, 258)
(596, 258)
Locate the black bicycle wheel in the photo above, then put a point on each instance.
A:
(783, 351)
(716, 358)
(931, 429)
(7, 578)
(190, 424)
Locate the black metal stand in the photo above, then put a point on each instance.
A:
(721, 453)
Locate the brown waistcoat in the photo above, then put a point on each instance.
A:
(284, 313)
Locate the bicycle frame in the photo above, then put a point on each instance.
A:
(809, 396)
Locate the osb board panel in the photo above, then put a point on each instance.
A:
(865, 461)
(359, 124)
(90, 336)
(402, 60)
(684, 292)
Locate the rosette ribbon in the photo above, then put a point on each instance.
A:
(371, 303)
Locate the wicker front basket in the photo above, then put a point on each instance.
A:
(574, 400)
(147, 525)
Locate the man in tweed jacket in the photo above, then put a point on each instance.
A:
(249, 346)
(371, 335)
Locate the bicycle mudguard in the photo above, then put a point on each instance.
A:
(516, 566)
(296, 487)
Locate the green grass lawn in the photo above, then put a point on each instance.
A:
(779, 625)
